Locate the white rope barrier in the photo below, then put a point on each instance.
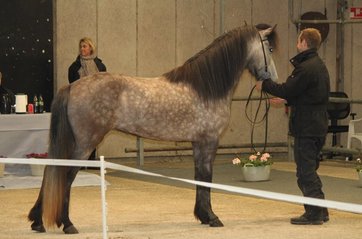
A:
(103, 197)
(343, 206)
(348, 207)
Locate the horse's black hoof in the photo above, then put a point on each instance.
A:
(70, 230)
(216, 223)
(37, 227)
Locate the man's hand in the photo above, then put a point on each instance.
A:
(277, 102)
(259, 85)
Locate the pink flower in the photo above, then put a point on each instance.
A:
(236, 161)
(252, 157)
(266, 155)
(263, 158)
(254, 160)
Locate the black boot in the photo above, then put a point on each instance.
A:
(312, 216)
(306, 220)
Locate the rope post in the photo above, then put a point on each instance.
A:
(103, 196)
(140, 151)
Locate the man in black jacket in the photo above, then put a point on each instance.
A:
(7, 98)
(306, 91)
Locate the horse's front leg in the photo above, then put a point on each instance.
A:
(204, 155)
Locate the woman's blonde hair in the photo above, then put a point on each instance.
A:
(88, 41)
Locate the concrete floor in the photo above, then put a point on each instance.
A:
(145, 207)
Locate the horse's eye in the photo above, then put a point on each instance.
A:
(271, 49)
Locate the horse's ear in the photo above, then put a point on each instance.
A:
(275, 26)
(268, 31)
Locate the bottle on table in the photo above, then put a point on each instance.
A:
(36, 104)
(41, 104)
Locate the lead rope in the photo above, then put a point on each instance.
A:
(267, 107)
(255, 120)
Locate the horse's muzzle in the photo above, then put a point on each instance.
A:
(263, 75)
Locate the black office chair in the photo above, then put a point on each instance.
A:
(337, 111)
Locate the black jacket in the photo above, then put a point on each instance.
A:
(7, 99)
(6, 91)
(73, 74)
(306, 91)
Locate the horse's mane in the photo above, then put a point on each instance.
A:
(214, 70)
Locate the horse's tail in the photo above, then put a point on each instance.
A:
(61, 146)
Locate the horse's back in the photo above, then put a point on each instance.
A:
(150, 107)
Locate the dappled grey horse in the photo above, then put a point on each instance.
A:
(189, 103)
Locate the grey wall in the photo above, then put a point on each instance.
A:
(150, 37)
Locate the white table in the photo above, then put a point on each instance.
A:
(22, 134)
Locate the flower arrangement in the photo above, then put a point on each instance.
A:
(254, 160)
(359, 165)
(39, 156)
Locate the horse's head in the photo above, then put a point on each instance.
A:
(261, 63)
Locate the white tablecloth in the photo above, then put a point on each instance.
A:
(22, 134)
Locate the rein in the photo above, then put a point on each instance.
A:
(263, 95)
(255, 121)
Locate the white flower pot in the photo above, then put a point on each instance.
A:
(254, 174)
(37, 170)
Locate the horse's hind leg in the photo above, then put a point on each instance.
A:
(35, 214)
(68, 227)
(204, 155)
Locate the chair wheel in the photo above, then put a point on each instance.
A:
(349, 158)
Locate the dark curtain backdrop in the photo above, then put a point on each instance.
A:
(26, 47)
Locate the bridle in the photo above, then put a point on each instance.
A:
(265, 74)
(263, 95)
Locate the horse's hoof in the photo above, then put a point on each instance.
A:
(70, 230)
(37, 227)
(216, 223)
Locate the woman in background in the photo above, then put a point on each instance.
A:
(87, 63)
